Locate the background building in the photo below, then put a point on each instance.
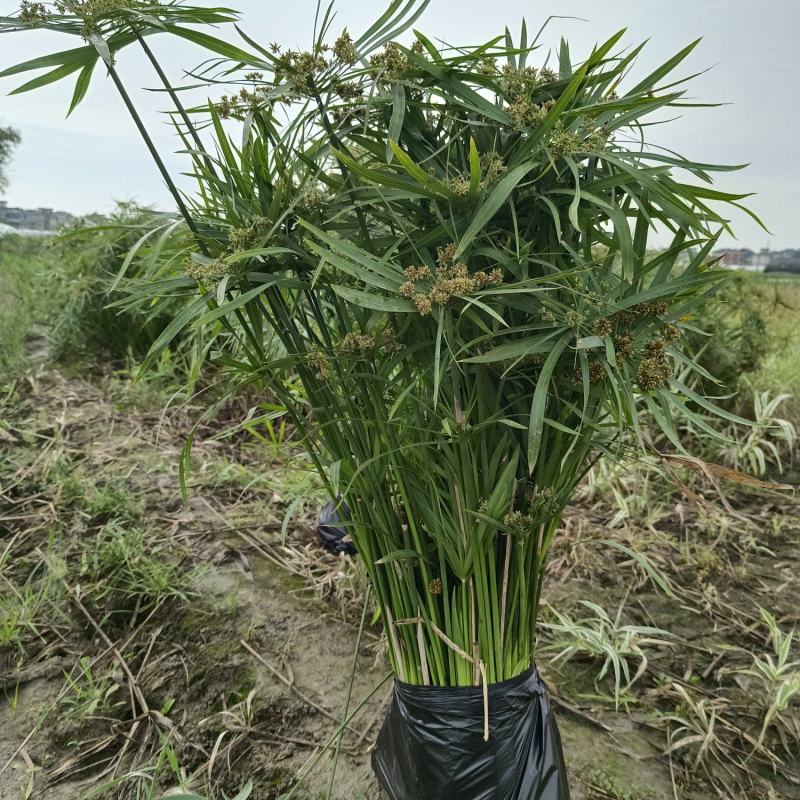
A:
(34, 219)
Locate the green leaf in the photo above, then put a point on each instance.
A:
(574, 205)
(539, 402)
(224, 309)
(174, 328)
(705, 403)
(437, 358)
(377, 302)
(182, 797)
(398, 555)
(383, 178)
(517, 349)
(81, 85)
(49, 77)
(102, 48)
(185, 463)
(492, 205)
(589, 343)
(420, 175)
(287, 517)
(77, 58)
(396, 122)
(218, 46)
(656, 75)
(474, 169)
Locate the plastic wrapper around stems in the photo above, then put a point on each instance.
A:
(331, 533)
(432, 745)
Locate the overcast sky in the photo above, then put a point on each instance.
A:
(84, 163)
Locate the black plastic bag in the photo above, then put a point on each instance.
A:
(330, 533)
(431, 745)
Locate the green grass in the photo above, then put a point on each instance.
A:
(31, 598)
(601, 785)
(777, 372)
(125, 571)
(24, 263)
(59, 296)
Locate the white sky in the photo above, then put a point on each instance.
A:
(84, 163)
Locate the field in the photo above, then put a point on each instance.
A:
(149, 644)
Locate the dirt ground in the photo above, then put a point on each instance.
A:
(245, 677)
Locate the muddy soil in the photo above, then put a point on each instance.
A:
(207, 657)
(248, 677)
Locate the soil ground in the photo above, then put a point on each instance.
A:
(234, 663)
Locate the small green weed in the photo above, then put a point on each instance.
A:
(110, 501)
(65, 481)
(24, 608)
(88, 692)
(127, 572)
(602, 786)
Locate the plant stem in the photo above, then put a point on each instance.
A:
(154, 153)
(176, 101)
(349, 691)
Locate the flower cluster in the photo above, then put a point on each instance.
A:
(355, 344)
(452, 279)
(249, 237)
(345, 50)
(492, 167)
(518, 525)
(90, 12)
(349, 90)
(546, 315)
(313, 202)
(361, 345)
(623, 345)
(208, 273)
(304, 68)
(520, 83)
(670, 333)
(487, 66)
(597, 373)
(246, 99)
(564, 142)
(459, 185)
(603, 327)
(544, 503)
(317, 361)
(392, 64)
(655, 308)
(32, 13)
(654, 369)
(596, 139)
(526, 114)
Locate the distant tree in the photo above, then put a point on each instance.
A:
(787, 266)
(9, 139)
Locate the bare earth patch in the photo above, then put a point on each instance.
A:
(211, 644)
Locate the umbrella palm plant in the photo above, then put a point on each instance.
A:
(452, 245)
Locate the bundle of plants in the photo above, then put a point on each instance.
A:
(454, 247)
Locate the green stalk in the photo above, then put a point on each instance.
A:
(154, 153)
(176, 101)
(308, 768)
(349, 693)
